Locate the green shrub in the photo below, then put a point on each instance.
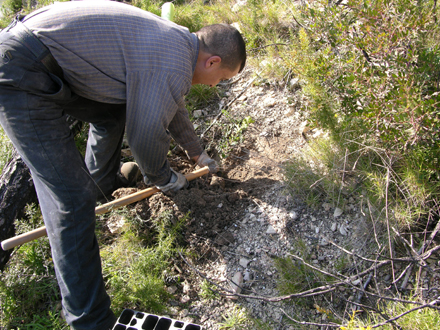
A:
(371, 69)
(134, 268)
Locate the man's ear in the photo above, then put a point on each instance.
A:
(213, 61)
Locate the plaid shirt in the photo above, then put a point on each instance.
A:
(116, 53)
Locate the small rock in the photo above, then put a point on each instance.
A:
(337, 212)
(342, 230)
(198, 113)
(326, 206)
(334, 226)
(116, 223)
(323, 242)
(236, 283)
(270, 230)
(247, 276)
(269, 102)
(217, 181)
(171, 289)
(244, 262)
(186, 287)
(293, 215)
(294, 82)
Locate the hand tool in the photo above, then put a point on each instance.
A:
(129, 199)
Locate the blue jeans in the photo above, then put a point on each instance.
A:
(33, 106)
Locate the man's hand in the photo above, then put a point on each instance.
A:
(204, 160)
(177, 182)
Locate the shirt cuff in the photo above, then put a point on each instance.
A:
(193, 149)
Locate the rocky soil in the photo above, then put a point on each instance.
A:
(243, 219)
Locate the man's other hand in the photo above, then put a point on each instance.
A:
(204, 160)
(177, 182)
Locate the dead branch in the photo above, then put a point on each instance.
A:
(351, 253)
(428, 305)
(333, 325)
(304, 294)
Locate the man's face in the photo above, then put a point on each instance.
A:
(210, 72)
(217, 75)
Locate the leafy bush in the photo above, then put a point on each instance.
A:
(370, 69)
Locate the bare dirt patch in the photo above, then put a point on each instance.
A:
(242, 219)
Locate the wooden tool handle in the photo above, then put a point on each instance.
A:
(126, 200)
(23, 238)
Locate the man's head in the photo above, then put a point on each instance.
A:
(222, 54)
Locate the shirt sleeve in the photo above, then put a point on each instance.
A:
(155, 104)
(182, 130)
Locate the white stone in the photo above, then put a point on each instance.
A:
(247, 276)
(337, 212)
(116, 223)
(171, 289)
(343, 230)
(293, 215)
(198, 113)
(244, 262)
(334, 226)
(269, 102)
(271, 230)
(236, 283)
(294, 82)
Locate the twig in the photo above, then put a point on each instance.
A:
(351, 253)
(294, 18)
(430, 305)
(333, 325)
(303, 294)
(316, 268)
(414, 252)
(431, 237)
(406, 271)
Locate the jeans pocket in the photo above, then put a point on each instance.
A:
(6, 55)
(46, 85)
